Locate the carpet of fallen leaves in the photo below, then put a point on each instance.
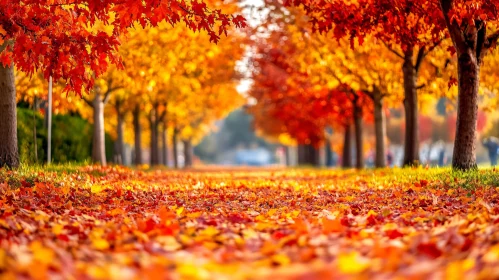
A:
(118, 223)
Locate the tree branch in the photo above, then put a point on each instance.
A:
(420, 58)
(108, 93)
(89, 103)
(392, 50)
(163, 114)
(435, 45)
(454, 29)
(490, 42)
(420, 86)
(481, 38)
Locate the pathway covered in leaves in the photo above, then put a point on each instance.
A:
(103, 223)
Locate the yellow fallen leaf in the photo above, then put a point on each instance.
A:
(456, 270)
(42, 254)
(492, 255)
(100, 244)
(194, 215)
(58, 229)
(281, 259)
(96, 188)
(209, 231)
(98, 272)
(351, 263)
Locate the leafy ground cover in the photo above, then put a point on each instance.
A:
(101, 223)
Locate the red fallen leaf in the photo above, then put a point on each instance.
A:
(25, 191)
(26, 184)
(345, 221)
(129, 195)
(393, 234)
(63, 237)
(468, 243)
(147, 225)
(423, 183)
(72, 229)
(290, 240)
(42, 189)
(429, 249)
(211, 222)
(171, 229)
(352, 233)
(278, 234)
(238, 218)
(112, 235)
(371, 220)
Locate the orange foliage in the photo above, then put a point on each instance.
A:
(119, 223)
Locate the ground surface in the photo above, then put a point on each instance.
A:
(118, 223)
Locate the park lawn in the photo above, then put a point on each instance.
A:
(119, 223)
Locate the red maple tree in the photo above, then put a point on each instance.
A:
(76, 40)
(402, 22)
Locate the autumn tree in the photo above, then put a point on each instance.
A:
(322, 62)
(469, 24)
(400, 24)
(368, 71)
(288, 102)
(56, 39)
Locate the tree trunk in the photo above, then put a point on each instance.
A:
(411, 146)
(308, 155)
(35, 144)
(120, 143)
(165, 144)
(9, 153)
(153, 119)
(464, 156)
(329, 154)
(188, 153)
(99, 143)
(379, 129)
(287, 155)
(471, 44)
(175, 147)
(359, 148)
(347, 148)
(302, 155)
(313, 155)
(138, 136)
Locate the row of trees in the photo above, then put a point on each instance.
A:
(371, 55)
(175, 78)
(174, 85)
(77, 41)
